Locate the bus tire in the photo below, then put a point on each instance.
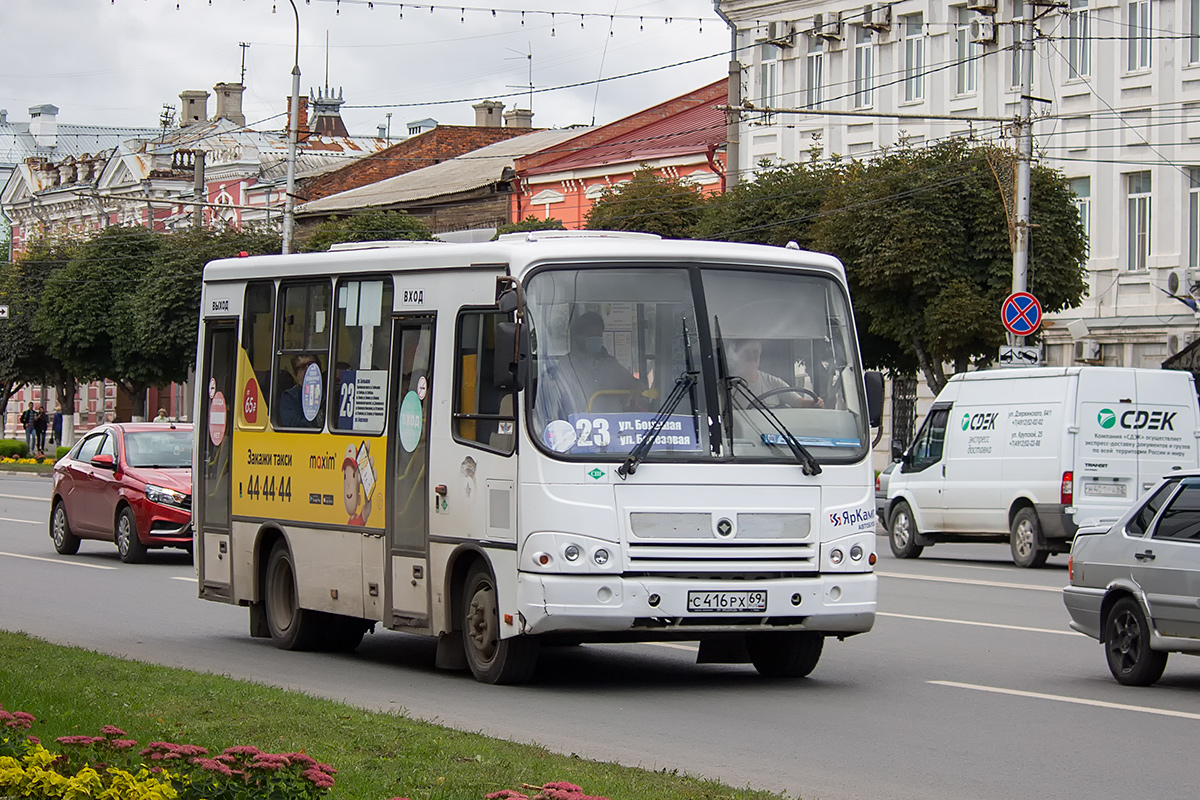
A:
(785, 654)
(291, 627)
(343, 634)
(491, 658)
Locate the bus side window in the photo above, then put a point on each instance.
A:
(258, 332)
(362, 354)
(303, 354)
(483, 415)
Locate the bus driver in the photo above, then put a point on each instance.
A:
(589, 378)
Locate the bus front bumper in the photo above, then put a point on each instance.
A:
(834, 603)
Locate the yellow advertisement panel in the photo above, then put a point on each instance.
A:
(319, 478)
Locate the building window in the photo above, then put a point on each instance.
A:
(1018, 12)
(1079, 48)
(1194, 30)
(1194, 218)
(1138, 30)
(967, 53)
(864, 68)
(914, 58)
(1082, 187)
(1139, 220)
(768, 78)
(815, 71)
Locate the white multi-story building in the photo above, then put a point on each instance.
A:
(1116, 93)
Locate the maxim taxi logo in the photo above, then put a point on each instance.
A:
(1107, 418)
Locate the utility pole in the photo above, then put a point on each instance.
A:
(244, 46)
(289, 200)
(198, 189)
(733, 115)
(1021, 201)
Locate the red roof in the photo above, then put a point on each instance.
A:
(695, 129)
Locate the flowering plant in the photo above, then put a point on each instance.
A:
(554, 790)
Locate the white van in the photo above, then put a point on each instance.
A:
(1031, 454)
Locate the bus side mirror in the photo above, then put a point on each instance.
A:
(511, 366)
(507, 301)
(874, 385)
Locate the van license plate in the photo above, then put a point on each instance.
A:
(722, 602)
(1104, 489)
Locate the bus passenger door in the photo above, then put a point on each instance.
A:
(213, 481)
(408, 446)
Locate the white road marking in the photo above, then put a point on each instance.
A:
(24, 521)
(998, 584)
(26, 497)
(674, 646)
(57, 561)
(981, 624)
(1079, 701)
(182, 578)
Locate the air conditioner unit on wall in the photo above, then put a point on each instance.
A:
(982, 30)
(828, 26)
(982, 5)
(1088, 350)
(780, 34)
(877, 18)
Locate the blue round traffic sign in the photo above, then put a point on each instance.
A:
(1021, 313)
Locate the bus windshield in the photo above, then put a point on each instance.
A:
(774, 350)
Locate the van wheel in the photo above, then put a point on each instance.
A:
(291, 627)
(902, 532)
(1127, 645)
(491, 658)
(785, 654)
(1026, 540)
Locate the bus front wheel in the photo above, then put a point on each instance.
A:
(491, 658)
(291, 627)
(785, 654)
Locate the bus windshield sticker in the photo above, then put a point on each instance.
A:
(362, 406)
(811, 441)
(620, 432)
(410, 422)
(559, 435)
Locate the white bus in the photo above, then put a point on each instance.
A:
(554, 437)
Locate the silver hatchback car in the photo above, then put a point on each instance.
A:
(1136, 586)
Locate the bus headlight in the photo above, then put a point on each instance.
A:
(570, 553)
(600, 556)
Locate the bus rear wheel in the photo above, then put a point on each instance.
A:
(785, 654)
(491, 658)
(291, 627)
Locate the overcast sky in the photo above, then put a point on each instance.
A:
(116, 62)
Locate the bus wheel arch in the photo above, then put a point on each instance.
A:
(291, 627)
(491, 658)
(264, 540)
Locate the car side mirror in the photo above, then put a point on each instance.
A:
(511, 365)
(104, 462)
(874, 386)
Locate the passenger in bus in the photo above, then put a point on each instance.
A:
(589, 378)
(744, 356)
(291, 402)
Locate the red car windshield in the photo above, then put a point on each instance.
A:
(161, 449)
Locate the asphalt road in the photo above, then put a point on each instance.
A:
(970, 686)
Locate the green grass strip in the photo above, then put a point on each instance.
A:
(378, 756)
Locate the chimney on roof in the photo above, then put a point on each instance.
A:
(303, 125)
(43, 125)
(3, 116)
(487, 114)
(229, 102)
(381, 131)
(518, 118)
(193, 107)
(327, 116)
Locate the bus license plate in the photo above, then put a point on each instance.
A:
(726, 602)
(1104, 489)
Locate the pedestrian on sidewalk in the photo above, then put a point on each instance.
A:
(27, 419)
(40, 423)
(56, 426)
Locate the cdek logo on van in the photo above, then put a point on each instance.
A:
(980, 422)
(1138, 420)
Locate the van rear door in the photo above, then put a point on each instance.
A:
(1106, 462)
(1165, 424)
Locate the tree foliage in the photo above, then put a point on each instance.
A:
(531, 223)
(650, 203)
(372, 225)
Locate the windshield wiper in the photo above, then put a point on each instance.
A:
(808, 464)
(684, 384)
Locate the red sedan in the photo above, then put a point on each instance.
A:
(128, 483)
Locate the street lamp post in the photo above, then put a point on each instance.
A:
(289, 200)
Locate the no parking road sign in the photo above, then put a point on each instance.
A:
(1021, 313)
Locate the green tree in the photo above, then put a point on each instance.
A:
(372, 225)
(924, 238)
(779, 206)
(167, 305)
(87, 317)
(531, 223)
(650, 203)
